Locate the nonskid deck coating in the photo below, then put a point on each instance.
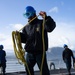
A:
(52, 72)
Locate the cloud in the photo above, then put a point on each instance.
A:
(63, 34)
(2, 36)
(16, 26)
(6, 41)
(6, 37)
(54, 9)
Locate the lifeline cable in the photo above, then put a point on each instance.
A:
(43, 45)
(19, 51)
(29, 22)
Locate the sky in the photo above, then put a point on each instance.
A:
(62, 11)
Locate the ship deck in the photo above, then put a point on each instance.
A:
(52, 72)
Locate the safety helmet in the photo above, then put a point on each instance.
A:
(29, 12)
(65, 45)
(1, 47)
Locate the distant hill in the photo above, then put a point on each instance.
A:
(52, 53)
(55, 53)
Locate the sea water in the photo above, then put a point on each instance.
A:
(14, 66)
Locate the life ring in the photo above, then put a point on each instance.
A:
(52, 64)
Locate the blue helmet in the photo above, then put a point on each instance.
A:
(65, 45)
(1, 47)
(29, 12)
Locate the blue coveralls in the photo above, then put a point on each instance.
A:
(3, 60)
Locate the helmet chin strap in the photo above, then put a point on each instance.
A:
(29, 22)
(31, 18)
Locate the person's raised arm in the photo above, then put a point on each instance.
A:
(49, 22)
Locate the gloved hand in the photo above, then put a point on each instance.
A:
(43, 14)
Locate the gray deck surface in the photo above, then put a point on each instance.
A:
(52, 72)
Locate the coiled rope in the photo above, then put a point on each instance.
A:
(20, 52)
